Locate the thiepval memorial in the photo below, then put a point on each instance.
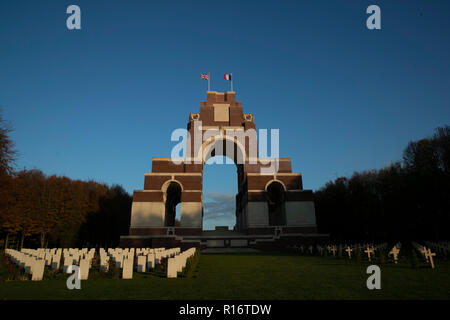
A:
(272, 208)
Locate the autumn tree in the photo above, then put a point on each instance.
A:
(56, 210)
(7, 158)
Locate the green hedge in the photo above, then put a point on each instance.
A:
(191, 265)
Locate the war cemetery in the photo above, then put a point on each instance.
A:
(318, 170)
(275, 243)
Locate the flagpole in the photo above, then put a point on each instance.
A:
(231, 82)
(209, 77)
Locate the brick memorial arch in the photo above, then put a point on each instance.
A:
(272, 208)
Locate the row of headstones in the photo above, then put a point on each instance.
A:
(333, 249)
(82, 258)
(146, 258)
(31, 264)
(69, 256)
(369, 249)
(33, 261)
(178, 262)
(395, 251)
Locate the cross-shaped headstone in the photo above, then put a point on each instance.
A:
(349, 252)
(369, 251)
(394, 252)
(430, 255)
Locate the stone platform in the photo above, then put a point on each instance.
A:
(222, 239)
(229, 250)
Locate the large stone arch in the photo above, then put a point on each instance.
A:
(257, 188)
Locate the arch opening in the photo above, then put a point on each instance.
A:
(173, 198)
(219, 193)
(275, 192)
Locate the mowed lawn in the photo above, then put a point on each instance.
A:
(254, 276)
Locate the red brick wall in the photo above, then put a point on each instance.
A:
(141, 196)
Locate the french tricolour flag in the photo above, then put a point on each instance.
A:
(227, 76)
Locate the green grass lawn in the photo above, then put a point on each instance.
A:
(254, 276)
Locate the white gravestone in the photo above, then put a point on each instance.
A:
(172, 267)
(151, 261)
(127, 272)
(141, 263)
(38, 270)
(84, 269)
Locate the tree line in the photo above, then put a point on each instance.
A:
(37, 210)
(407, 200)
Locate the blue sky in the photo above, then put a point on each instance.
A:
(102, 101)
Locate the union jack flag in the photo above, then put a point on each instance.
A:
(204, 76)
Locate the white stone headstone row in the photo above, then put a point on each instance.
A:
(34, 260)
(125, 258)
